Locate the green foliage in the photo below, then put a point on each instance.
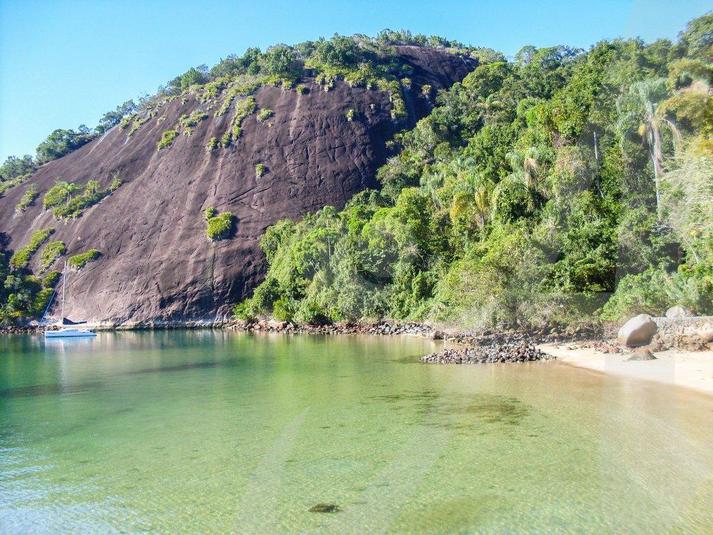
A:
(78, 261)
(62, 142)
(27, 198)
(260, 170)
(219, 226)
(115, 117)
(264, 114)
(51, 252)
(212, 144)
(50, 280)
(58, 194)
(242, 86)
(25, 296)
(655, 290)
(193, 76)
(698, 37)
(243, 108)
(14, 167)
(12, 182)
(547, 190)
(137, 122)
(167, 139)
(280, 61)
(68, 203)
(115, 184)
(21, 258)
(192, 120)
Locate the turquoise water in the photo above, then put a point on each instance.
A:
(203, 432)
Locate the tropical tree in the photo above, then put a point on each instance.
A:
(61, 142)
(15, 166)
(641, 108)
(112, 118)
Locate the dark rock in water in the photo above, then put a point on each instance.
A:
(325, 508)
(486, 354)
(642, 354)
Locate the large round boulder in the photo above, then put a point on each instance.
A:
(638, 331)
(678, 312)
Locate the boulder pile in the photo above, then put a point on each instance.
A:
(384, 328)
(488, 354)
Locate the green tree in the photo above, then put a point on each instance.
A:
(698, 37)
(15, 166)
(279, 60)
(113, 118)
(62, 142)
(641, 109)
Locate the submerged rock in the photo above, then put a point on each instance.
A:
(325, 508)
(638, 331)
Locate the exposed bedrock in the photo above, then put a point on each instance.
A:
(157, 263)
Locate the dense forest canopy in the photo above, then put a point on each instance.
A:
(562, 185)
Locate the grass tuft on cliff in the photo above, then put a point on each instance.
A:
(78, 261)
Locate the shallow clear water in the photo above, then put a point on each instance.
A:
(202, 432)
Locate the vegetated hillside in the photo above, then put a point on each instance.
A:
(142, 194)
(559, 187)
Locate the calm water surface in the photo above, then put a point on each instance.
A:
(202, 432)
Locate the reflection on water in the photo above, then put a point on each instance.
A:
(214, 432)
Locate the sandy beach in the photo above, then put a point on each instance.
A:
(689, 369)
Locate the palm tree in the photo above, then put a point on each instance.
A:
(482, 206)
(643, 105)
(476, 204)
(525, 176)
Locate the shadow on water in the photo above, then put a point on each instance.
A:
(488, 408)
(188, 366)
(46, 390)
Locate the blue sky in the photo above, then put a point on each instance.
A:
(66, 62)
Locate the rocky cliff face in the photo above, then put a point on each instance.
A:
(157, 263)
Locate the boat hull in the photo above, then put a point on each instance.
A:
(70, 333)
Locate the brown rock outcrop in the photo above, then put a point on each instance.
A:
(157, 264)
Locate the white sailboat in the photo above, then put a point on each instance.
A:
(67, 332)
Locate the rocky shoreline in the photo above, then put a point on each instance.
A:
(394, 328)
(463, 347)
(470, 347)
(20, 330)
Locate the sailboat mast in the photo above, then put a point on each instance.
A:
(64, 286)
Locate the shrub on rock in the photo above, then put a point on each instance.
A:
(220, 226)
